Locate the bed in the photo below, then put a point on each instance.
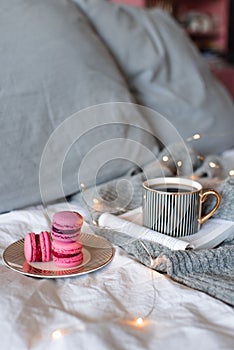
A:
(94, 97)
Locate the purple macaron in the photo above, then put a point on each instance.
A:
(66, 226)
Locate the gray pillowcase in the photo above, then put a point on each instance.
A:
(166, 72)
(52, 64)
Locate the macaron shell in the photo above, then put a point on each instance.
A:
(69, 262)
(67, 220)
(45, 245)
(67, 248)
(67, 254)
(30, 247)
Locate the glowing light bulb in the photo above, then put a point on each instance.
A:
(179, 163)
(95, 201)
(139, 321)
(165, 158)
(57, 334)
(94, 222)
(62, 332)
(231, 172)
(213, 165)
(82, 185)
(196, 136)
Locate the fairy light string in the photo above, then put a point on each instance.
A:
(96, 206)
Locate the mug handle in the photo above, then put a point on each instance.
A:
(203, 197)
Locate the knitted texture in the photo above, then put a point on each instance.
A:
(207, 270)
(226, 209)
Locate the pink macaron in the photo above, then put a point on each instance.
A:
(67, 254)
(66, 226)
(37, 247)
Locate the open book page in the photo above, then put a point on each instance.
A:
(131, 225)
(212, 233)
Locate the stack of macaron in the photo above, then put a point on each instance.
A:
(66, 247)
(63, 244)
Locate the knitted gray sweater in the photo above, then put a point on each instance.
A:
(208, 270)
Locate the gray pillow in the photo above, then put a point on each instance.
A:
(165, 71)
(52, 64)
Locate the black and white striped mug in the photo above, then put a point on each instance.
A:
(173, 205)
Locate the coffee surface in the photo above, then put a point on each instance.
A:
(171, 188)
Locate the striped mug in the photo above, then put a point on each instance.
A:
(173, 205)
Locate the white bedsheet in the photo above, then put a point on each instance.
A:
(97, 310)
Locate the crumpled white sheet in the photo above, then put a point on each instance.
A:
(97, 310)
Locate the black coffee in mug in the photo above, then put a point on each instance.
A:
(173, 206)
(172, 188)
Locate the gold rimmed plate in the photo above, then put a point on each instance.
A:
(97, 253)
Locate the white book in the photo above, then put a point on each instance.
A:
(211, 234)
